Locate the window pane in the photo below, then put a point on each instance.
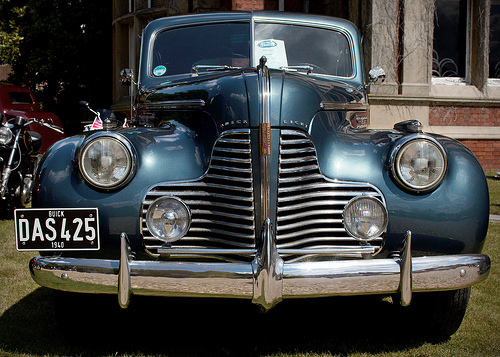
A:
(495, 39)
(326, 51)
(176, 51)
(450, 38)
(20, 98)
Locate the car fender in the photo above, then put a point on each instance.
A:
(172, 153)
(451, 219)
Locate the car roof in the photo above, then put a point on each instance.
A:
(13, 88)
(279, 16)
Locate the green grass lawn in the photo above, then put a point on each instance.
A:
(494, 187)
(205, 327)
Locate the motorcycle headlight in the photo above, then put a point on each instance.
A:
(168, 219)
(5, 136)
(365, 218)
(418, 163)
(106, 162)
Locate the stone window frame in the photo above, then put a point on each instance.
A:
(477, 57)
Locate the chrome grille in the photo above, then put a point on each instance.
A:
(221, 203)
(309, 214)
(309, 205)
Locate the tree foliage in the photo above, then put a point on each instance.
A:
(10, 37)
(61, 49)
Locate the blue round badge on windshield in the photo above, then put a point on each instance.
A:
(159, 71)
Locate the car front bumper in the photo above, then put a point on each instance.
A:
(267, 280)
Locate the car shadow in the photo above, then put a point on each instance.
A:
(44, 323)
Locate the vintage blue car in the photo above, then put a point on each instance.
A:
(248, 171)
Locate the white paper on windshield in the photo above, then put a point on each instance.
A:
(274, 50)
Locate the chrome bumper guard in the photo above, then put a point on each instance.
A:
(266, 281)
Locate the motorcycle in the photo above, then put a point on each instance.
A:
(19, 156)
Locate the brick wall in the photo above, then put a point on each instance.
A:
(487, 151)
(315, 7)
(444, 115)
(254, 4)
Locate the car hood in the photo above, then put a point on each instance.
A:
(232, 97)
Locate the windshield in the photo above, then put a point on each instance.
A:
(224, 46)
(178, 50)
(298, 47)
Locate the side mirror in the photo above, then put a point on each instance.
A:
(376, 76)
(127, 77)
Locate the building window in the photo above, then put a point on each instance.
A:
(495, 39)
(450, 38)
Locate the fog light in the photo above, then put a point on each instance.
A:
(365, 218)
(168, 219)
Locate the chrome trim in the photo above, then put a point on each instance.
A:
(124, 287)
(211, 68)
(338, 251)
(204, 251)
(267, 270)
(235, 280)
(221, 202)
(394, 156)
(174, 104)
(264, 137)
(343, 106)
(384, 210)
(309, 69)
(310, 205)
(181, 234)
(120, 139)
(405, 283)
(382, 276)
(376, 75)
(222, 206)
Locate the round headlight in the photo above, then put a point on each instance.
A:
(5, 135)
(365, 218)
(419, 164)
(106, 162)
(168, 219)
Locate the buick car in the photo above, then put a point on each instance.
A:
(250, 170)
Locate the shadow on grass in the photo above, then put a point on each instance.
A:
(44, 323)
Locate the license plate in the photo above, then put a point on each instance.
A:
(44, 229)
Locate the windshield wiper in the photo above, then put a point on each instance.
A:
(307, 68)
(211, 67)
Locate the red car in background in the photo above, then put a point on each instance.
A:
(18, 101)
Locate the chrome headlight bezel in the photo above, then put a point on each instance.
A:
(396, 163)
(179, 212)
(122, 176)
(354, 212)
(5, 135)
